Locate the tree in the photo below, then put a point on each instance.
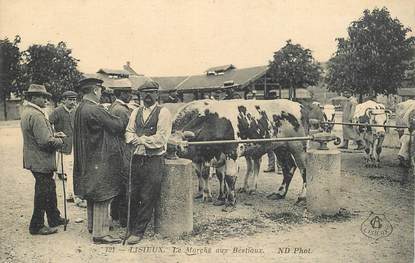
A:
(294, 67)
(9, 69)
(373, 59)
(52, 66)
(9, 66)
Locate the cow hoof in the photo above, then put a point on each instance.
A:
(275, 196)
(241, 190)
(207, 199)
(198, 196)
(219, 202)
(301, 201)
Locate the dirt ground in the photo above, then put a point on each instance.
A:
(258, 230)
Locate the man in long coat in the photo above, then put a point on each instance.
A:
(349, 132)
(123, 93)
(39, 156)
(97, 159)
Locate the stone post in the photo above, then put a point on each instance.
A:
(323, 181)
(174, 213)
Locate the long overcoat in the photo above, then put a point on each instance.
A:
(349, 132)
(97, 159)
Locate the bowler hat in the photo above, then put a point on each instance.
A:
(149, 85)
(69, 94)
(37, 89)
(121, 85)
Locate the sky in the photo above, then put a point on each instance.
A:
(178, 37)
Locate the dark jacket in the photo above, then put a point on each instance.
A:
(96, 177)
(122, 111)
(39, 145)
(62, 121)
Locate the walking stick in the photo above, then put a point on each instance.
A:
(64, 191)
(127, 231)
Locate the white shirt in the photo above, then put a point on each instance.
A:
(158, 140)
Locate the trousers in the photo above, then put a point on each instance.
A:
(68, 169)
(146, 174)
(44, 201)
(98, 217)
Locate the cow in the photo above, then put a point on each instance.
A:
(321, 113)
(371, 112)
(209, 120)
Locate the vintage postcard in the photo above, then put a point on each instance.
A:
(207, 131)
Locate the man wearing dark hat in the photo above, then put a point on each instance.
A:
(95, 179)
(39, 156)
(123, 93)
(62, 119)
(148, 130)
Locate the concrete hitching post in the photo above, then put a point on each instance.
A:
(174, 213)
(323, 177)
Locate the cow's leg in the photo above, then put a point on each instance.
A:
(230, 179)
(249, 169)
(255, 172)
(378, 150)
(207, 193)
(220, 174)
(288, 168)
(198, 169)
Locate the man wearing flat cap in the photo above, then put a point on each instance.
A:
(62, 119)
(148, 130)
(123, 93)
(95, 179)
(39, 156)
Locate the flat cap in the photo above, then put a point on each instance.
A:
(69, 94)
(121, 85)
(150, 85)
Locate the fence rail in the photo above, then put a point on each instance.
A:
(365, 125)
(283, 139)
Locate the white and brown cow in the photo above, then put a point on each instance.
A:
(371, 112)
(212, 120)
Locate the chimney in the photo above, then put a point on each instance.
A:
(128, 63)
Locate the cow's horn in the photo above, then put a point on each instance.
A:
(188, 135)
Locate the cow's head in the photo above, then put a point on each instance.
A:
(378, 117)
(205, 126)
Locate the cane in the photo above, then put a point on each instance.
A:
(127, 231)
(64, 191)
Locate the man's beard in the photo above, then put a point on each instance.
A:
(148, 101)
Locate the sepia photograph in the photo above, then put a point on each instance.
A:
(207, 131)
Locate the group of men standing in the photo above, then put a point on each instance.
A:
(118, 155)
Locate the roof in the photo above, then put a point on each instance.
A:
(136, 81)
(406, 92)
(240, 78)
(221, 68)
(169, 83)
(113, 71)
